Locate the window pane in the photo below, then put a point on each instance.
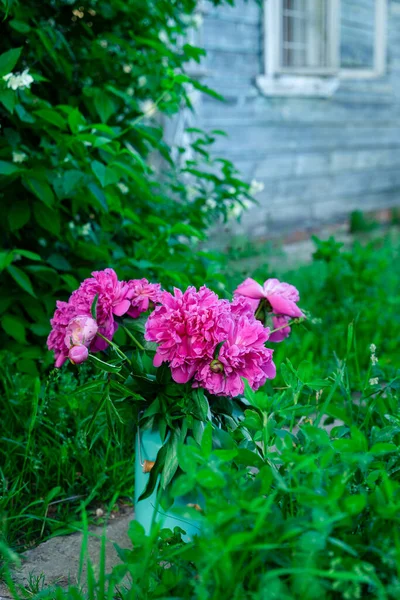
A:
(305, 33)
(357, 22)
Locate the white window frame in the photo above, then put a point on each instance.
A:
(283, 81)
(380, 47)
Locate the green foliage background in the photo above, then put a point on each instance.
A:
(98, 186)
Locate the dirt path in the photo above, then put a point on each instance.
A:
(57, 560)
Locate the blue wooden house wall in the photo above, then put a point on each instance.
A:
(318, 158)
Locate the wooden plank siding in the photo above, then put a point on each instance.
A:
(318, 158)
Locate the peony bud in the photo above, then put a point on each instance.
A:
(78, 354)
(216, 366)
(80, 331)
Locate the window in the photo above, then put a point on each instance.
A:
(306, 43)
(311, 44)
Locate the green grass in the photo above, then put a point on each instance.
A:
(48, 465)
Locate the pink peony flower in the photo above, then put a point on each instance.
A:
(281, 297)
(186, 328)
(59, 323)
(78, 354)
(141, 293)
(80, 331)
(113, 299)
(243, 354)
(282, 334)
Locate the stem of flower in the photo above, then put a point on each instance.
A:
(134, 340)
(114, 346)
(260, 309)
(288, 324)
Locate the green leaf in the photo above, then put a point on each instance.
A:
(112, 176)
(22, 279)
(18, 214)
(183, 485)
(210, 479)
(206, 441)
(8, 60)
(354, 504)
(218, 348)
(100, 171)
(305, 371)
(96, 412)
(71, 180)
(7, 168)
(27, 254)
(93, 308)
(59, 262)
(76, 121)
(187, 230)
(51, 116)
(41, 189)
(103, 366)
(9, 99)
(350, 332)
(154, 473)
(383, 448)
(249, 394)
(14, 327)
(248, 458)
(23, 114)
(171, 460)
(6, 259)
(201, 405)
(225, 455)
(20, 26)
(104, 105)
(99, 196)
(47, 218)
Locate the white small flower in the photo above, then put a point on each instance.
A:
(123, 188)
(148, 107)
(86, 229)
(71, 225)
(163, 36)
(256, 187)
(19, 81)
(127, 68)
(19, 157)
(192, 193)
(374, 381)
(374, 359)
(372, 348)
(211, 204)
(197, 20)
(142, 80)
(103, 43)
(130, 91)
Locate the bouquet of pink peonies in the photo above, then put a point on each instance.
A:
(185, 351)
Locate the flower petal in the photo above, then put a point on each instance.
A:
(250, 289)
(282, 306)
(121, 308)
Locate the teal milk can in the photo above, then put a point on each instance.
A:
(148, 443)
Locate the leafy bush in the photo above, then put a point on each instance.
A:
(86, 177)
